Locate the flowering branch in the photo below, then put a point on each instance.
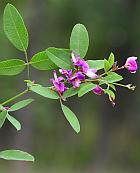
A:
(72, 74)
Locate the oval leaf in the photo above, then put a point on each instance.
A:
(14, 28)
(1, 107)
(71, 117)
(45, 92)
(79, 40)
(41, 61)
(60, 57)
(11, 67)
(14, 122)
(70, 92)
(110, 93)
(97, 64)
(3, 115)
(112, 86)
(86, 88)
(113, 77)
(111, 59)
(16, 155)
(106, 65)
(21, 104)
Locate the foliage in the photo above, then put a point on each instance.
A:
(77, 76)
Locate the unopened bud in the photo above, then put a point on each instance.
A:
(131, 87)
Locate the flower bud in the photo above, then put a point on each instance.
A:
(131, 64)
(98, 90)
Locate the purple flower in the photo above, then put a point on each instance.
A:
(57, 82)
(7, 108)
(75, 59)
(98, 90)
(67, 73)
(91, 73)
(131, 64)
(84, 66)
(78, 62)
(76, 79)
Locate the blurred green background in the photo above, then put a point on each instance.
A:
(109, 141)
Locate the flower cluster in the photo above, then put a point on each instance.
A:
(74, 76)
(82, 73)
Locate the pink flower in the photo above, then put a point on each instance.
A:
(57, 82)
(131, 64)
(67, 73)
(98, 90)
(6, 108)
(78, 62)
(74, 58)
(91, 73)
(84, 67)
(76, 79)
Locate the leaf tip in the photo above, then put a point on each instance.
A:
(33, 159)
(9, 5)
(78, 130)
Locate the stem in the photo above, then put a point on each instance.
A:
(60, 101)
(120, 85)
(119, 68)
(15, 97)
(28, 65)
(92, 80)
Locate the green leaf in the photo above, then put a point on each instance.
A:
(106, 65)
(60, 57)
(86, 88)
(45, 92)
(71, 117)
(70, 92)
(111, 59)
(41, 61)
(98, 64)
(3, 115)
(16, 155)
(113, 77)
(110, 93)
(14, 122)
(11, 67)
(21, 104)
(1, 107)
(14, 28)
(79, 40)
(112, 86)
